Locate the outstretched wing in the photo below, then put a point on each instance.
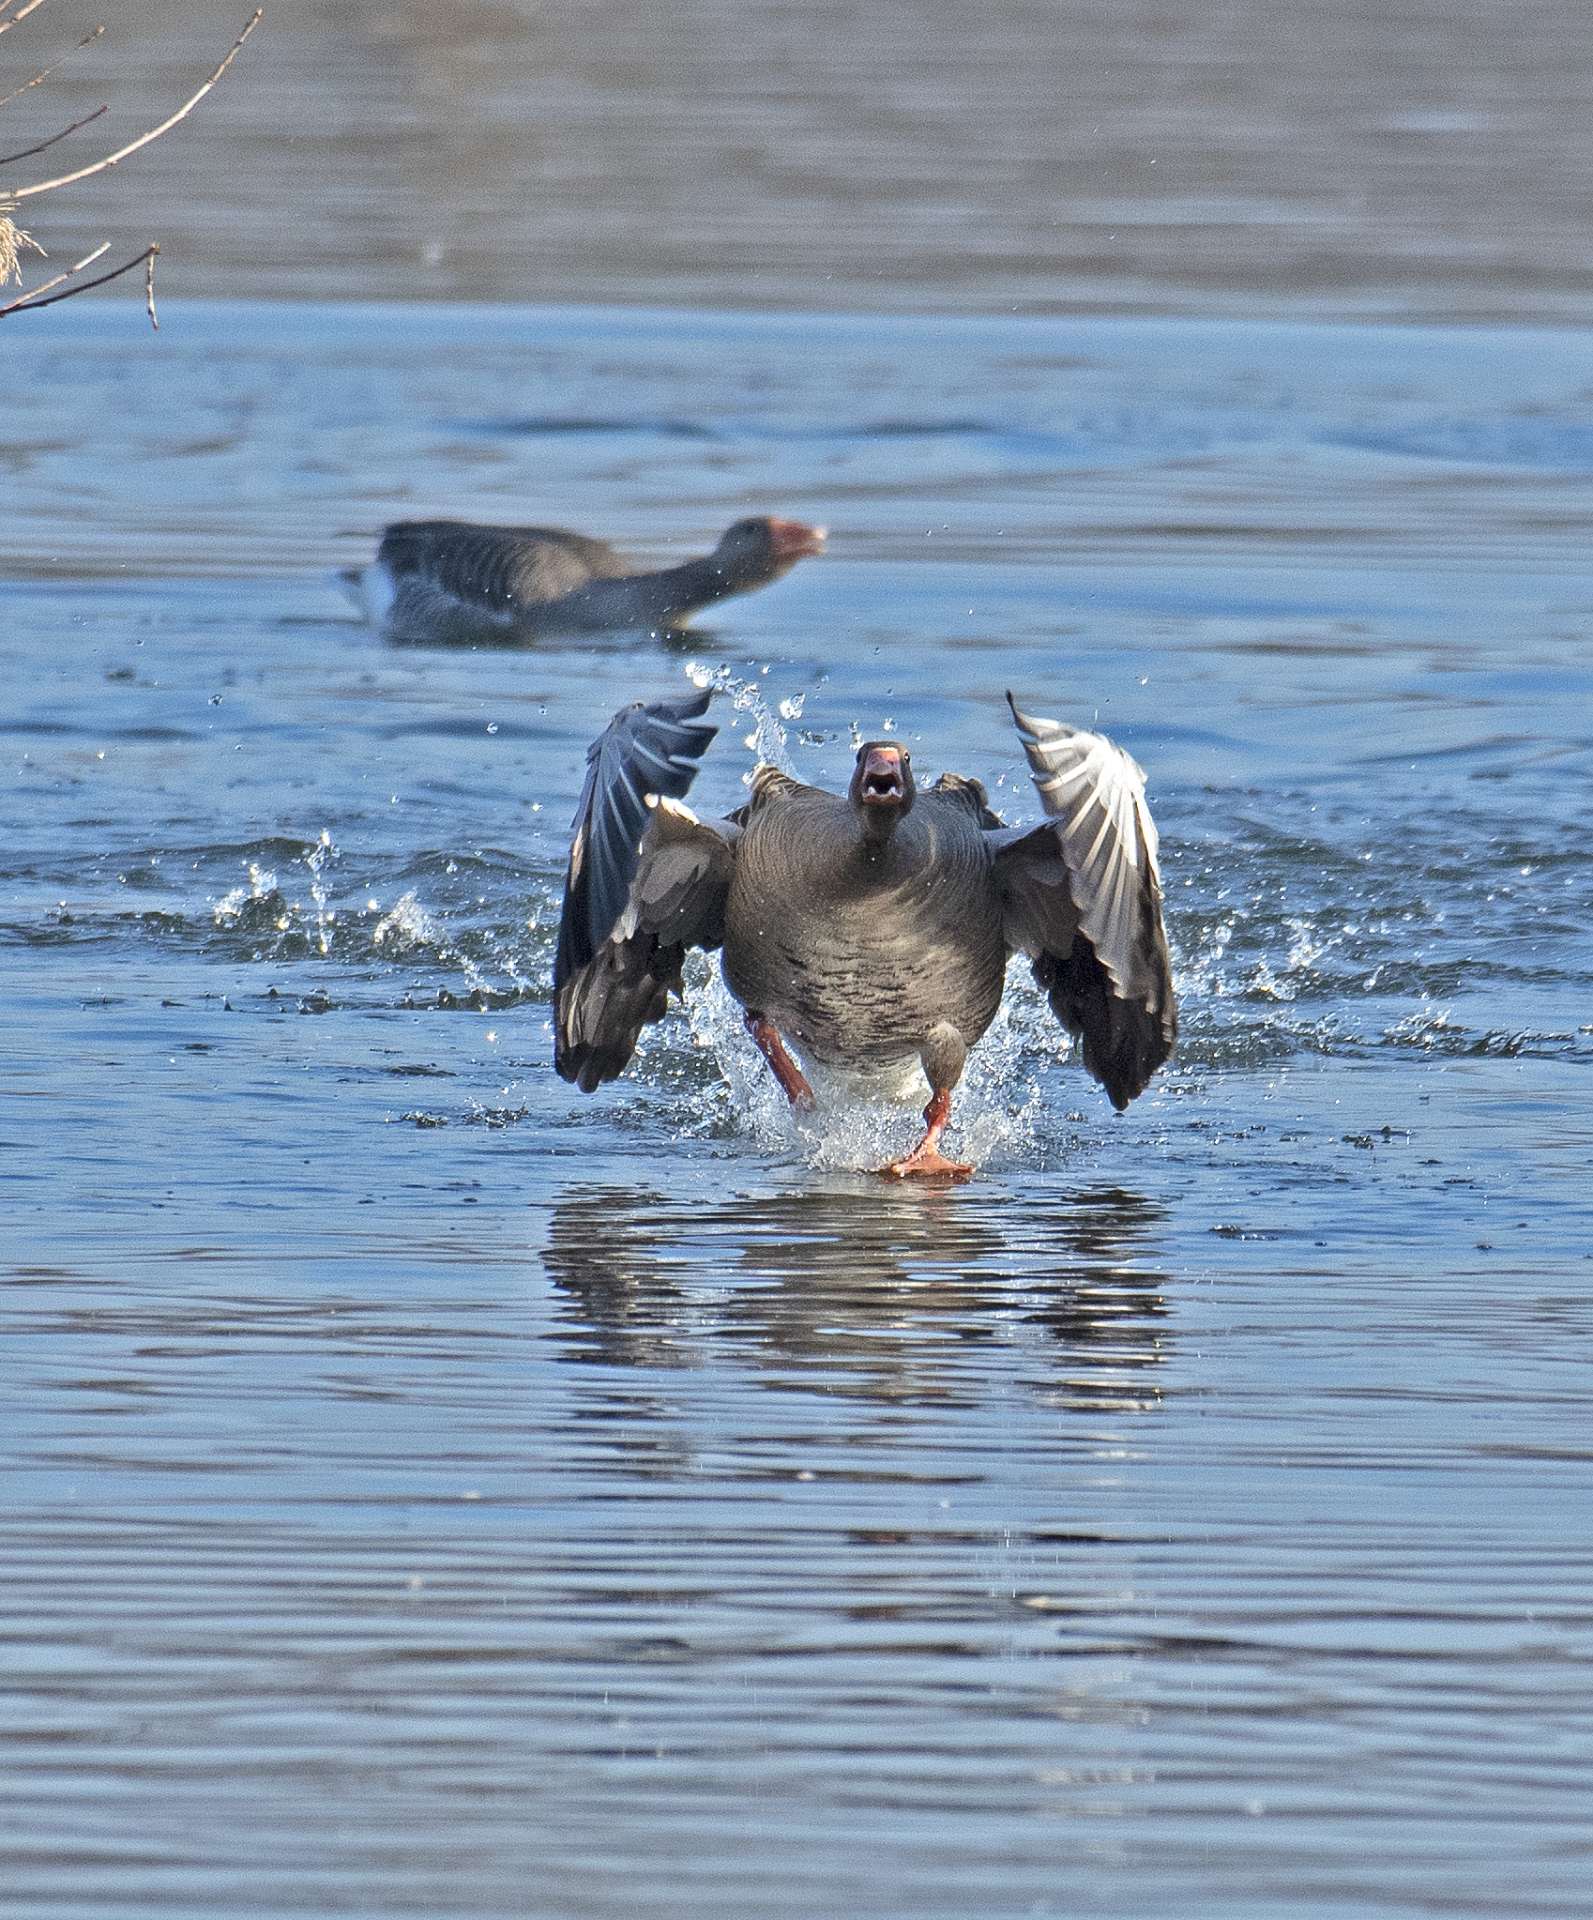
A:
(1082, 897)
(646, 880)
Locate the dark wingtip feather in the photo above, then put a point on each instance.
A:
(1123, 1041)
(599, 1013)
(646, 750)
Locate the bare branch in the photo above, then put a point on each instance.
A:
(18, 93)
(87, 261)
(31, 300)
(68, 179)
(27, 153)
(7, 25)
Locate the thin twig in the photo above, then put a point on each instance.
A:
(17, 95)
(110, 160)
(27, 153)
(7, 25)
(149, 287)
(31, 300)
(87, 261)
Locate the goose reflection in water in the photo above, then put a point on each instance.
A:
(885, 1297)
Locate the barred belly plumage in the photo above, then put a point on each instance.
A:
(854, 959)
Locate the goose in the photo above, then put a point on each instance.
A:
(447, 583)
(861, 930)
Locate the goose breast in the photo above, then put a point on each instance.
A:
(855, 955)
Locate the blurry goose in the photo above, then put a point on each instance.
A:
(445, 583)
(869, 928)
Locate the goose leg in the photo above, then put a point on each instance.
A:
(943, 1054)
(784, 1068)
(926, 1161)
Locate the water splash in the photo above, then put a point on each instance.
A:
(861, 1122)
(1308, 943)
(316, 860)
(1264, 984)
(478, 1114)
(408, 927)
(481, 988)
(1428, 1029)
(768, 742)
(405, 927)
(259, 904)
(261, 907)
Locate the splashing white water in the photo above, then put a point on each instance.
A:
(262, 904)
(861, 1122)
(316, 859)
(262, 884)
(768, 742)
(407, 926)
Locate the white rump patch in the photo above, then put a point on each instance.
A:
(371, 590)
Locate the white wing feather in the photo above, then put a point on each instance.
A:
(1096, 795)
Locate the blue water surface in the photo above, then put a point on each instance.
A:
(431, 1491)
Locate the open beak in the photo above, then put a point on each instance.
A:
(883, 785)
(794, 540)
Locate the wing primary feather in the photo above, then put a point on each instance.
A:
(1108, 972)
(644, 751)
(621, 937)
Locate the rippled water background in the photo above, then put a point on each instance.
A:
(1348, 158)
(429, 1491)
(433, 1491)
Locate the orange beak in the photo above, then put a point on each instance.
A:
(883, 785)
(795, 540)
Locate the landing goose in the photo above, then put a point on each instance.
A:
(866, 929)
(446, 583)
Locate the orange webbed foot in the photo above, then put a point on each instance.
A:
(926, 1162)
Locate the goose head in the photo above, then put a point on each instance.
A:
(758, 550)
(882, 789)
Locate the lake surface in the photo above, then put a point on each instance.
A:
(430, 1491)
(1347, 158)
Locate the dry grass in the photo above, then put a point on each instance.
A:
(13, 240)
